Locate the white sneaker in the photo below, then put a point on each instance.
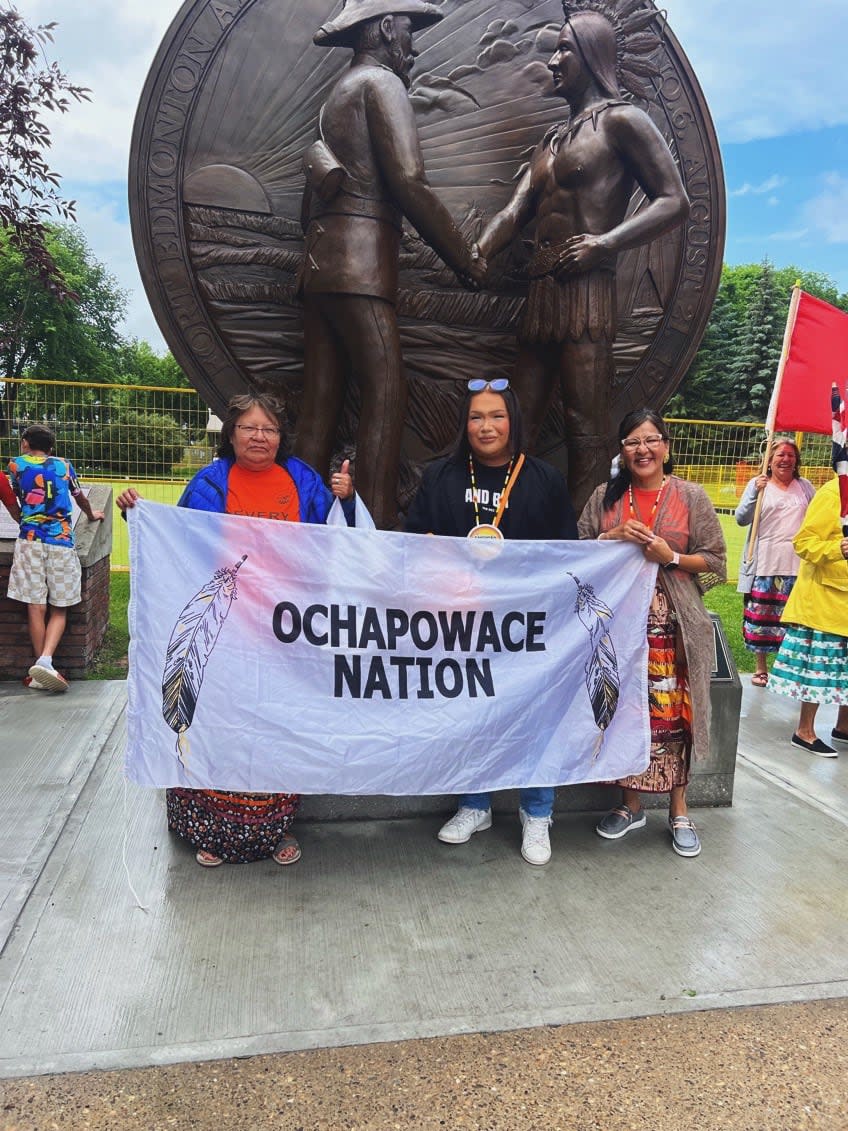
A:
(48, 679)
(464, 824)
(536, 841)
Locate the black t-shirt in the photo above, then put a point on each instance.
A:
(538, 507)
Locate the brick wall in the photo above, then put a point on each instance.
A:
(84, 634)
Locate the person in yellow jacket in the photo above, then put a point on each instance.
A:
(812, 664)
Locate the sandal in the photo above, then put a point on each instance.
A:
(207, 859)
(287, 851)
(760, 679)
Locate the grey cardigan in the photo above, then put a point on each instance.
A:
(684, 589)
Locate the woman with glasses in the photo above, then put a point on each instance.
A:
(254, 475)
(489, 488)
(674, 524)
(768, 570)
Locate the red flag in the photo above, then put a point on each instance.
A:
(817, 356)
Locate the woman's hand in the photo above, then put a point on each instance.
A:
(631, 531)
(127, 499)
(760, 483)
(659, 551)
(341, 484)
(843, 546)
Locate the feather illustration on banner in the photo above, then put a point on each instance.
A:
(189, 649)
(601, 668)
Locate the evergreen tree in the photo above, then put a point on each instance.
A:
(703, 394)
(755, 367)
(733, 372)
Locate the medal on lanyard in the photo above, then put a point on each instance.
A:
(490, 529)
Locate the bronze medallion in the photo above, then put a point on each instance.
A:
(216, 182)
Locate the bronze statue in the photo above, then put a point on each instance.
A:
(365, 172)
(577, 186)
(216, 187)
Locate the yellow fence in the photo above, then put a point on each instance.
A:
(157, 438)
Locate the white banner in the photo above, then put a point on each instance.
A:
(274, 656)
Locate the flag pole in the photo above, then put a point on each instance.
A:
(772, 410)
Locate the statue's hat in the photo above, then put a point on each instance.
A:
(339, 32)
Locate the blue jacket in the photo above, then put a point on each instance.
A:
(207, 491)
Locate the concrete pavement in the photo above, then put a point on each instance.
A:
(380, 934)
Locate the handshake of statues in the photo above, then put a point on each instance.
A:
(365, 174)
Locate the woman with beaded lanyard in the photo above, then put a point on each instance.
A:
(488, 488)
(675, 525)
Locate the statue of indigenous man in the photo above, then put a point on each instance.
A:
(365, 172)
(577, 187)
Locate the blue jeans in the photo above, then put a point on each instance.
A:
(536, 802)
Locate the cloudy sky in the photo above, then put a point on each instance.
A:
(773, 72)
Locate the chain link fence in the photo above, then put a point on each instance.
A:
(154, 438)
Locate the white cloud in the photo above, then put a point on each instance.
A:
(827, 212)
(108, 48)
(769, 185)
(767, 67)
(107, 230)
(791, 235)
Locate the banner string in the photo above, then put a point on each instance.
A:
(138, 902)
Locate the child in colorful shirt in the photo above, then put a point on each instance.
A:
(45, 568)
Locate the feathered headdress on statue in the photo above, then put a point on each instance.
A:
(631, 21)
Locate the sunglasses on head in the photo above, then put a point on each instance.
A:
(479, 384)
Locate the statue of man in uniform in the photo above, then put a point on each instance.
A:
(364, 174)
(578, 186)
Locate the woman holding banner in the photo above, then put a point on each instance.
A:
(254, 476)
(673, 522)
(767, 571)
(812, 664)
(488, 488)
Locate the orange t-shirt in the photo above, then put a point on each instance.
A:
(262, 494)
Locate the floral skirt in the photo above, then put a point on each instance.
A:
(669, 704)
(238, 827)
(761, 627)
(811, 666)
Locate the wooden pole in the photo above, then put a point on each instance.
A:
(772, 412)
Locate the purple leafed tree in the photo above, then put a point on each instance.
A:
(31, 86)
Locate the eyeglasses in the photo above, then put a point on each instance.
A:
(648, 441)
(256, 430)
(478, 384)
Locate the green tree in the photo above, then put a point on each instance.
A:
(137, 363)
(758, 355)
(703, 393)
(733, 373)
(40, 334)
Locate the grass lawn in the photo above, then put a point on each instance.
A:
(725, 601)
(111, 662)
(158, 491)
